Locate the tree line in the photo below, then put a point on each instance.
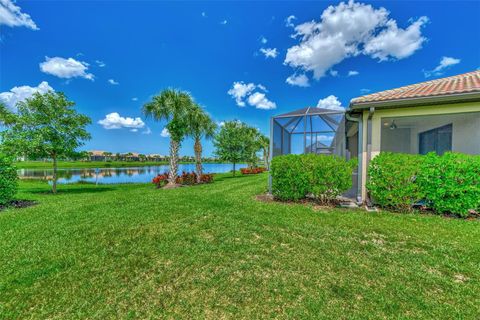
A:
(48, 126)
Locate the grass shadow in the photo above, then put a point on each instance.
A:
(77, 190)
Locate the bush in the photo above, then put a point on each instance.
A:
(8, 179)
(391, 182)
(206, 178)
(160, 180)
(329, 176)
(186, 178)
(451, 183)
(289, 178)
(252, 170)
(324, 177)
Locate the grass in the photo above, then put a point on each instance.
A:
(88, 164)
(212, 251)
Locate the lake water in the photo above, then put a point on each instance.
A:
(120, 175)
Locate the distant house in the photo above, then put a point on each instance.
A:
(131, 156)
(155, 157)
(435, 116)
(96, 155)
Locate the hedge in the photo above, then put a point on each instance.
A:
(451, 183)
(391, 181)
(290, 180)
(8, 179)
(448, 183)
(322, 176)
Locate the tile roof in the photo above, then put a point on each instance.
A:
(462, 83)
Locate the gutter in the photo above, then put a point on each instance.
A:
(358, 120)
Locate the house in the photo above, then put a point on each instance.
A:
(435, 116)
(96, 155)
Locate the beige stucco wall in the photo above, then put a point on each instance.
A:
(467, 129)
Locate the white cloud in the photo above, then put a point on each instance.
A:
(289, 21)
(445, 63)
(352, 73)
(365, 91)
(334, 73)
(220, 123)
(134, 99)
(260, 101)
(66, 68)
(224, 22)
(165, 133)
(12, 16)
(263, 40)
(300, 80)
(100, 63)
(394, 42)
(115, 121)
(269, 52)
(17, 94)
(331, 102)
(134, 130)
(112, 82)
(324, 138)
(350, 29)
(147, 131)
(241, 91)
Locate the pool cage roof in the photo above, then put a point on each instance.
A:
(307, 130)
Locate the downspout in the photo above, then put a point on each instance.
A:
(358, 120)
(371, 111)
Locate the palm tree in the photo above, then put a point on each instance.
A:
(200, 126)
(264, 143)
(173, 106)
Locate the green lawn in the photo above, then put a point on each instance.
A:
(213, 251)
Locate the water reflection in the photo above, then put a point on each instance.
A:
(118, 175)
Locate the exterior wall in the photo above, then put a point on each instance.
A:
(467, 131)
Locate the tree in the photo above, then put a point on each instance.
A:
(173, 106)
(200, 126)
(252, 146)
(45, 125)
(234, 143)
(264, 143)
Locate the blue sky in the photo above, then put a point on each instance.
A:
(205, 48)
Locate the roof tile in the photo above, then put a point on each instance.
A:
(462, 83)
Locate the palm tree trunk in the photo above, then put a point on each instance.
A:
(172, 175)
(234, 169)
(54, 184)
(198, 159)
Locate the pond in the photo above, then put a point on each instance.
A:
(119, 175)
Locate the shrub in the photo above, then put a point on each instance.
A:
(160, 180)
(324, 177)
(252, 170)
(186, 178)
(451, 183)
(289, 178)
(8, 179)
(329, 176)
(206, 178)
(391, 182)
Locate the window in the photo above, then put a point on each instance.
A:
(437, 140)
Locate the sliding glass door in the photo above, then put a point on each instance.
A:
(437, 140)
